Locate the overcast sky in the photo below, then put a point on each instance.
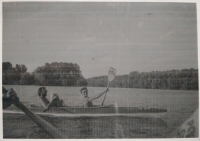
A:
(127, 36)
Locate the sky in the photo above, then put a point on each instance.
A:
(127, 36)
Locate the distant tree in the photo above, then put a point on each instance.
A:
(6, 66)
(59, 74)
(186, 79)
(15, 75)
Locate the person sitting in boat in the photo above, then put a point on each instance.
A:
(55, 101)
(87, 101)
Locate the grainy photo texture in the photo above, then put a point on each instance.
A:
(99, 70)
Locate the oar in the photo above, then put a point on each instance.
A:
(48, 128)
(111, 76)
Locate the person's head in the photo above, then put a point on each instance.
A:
(84, 91)
(42, 92)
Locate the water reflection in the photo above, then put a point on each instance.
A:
(86, 127)
(119, 133)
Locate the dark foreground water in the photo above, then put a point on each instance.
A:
(180, 106)
(91, 127)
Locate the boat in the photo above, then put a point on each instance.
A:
(109, 110)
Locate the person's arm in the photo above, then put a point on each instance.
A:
(7, 97)
(98, 95)
(4, 91)
(6, 102)
(44, 102)
(52, 102)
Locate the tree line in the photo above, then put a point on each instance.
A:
(53, 74)
(69, 74)
(186, 79)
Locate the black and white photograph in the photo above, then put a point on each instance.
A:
(100, 70)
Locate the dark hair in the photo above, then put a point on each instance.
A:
(40, 89)
(84, 88)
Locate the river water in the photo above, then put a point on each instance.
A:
(180, 105)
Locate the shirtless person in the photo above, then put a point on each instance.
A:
(55, 101)
(87, 101)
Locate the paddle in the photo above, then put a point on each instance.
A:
(111, 76)
(47, 127)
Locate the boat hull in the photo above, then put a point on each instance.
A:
(95, 111)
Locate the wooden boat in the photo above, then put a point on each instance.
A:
(95, 111)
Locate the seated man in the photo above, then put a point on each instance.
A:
(55, 101)
(87, 101)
